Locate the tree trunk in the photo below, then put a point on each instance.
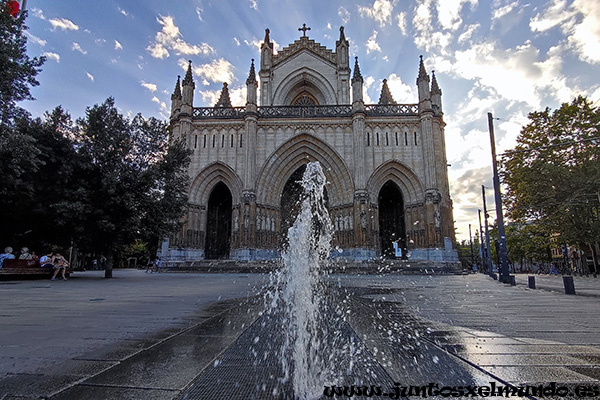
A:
(109, 264)
(594, 257)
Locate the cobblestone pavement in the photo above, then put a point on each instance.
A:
(193, 336)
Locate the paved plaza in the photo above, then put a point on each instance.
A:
(197, 336)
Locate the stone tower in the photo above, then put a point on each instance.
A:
(385, 163)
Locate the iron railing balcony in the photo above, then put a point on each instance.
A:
(316, 111)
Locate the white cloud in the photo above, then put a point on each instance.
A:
(199, 13)
(586, 35)
(468, 33)
(100, 42)
(372, 44)
(237, 95)
(35, 39)
(401, 17)
(515, 74)
(64, 24)
(36, 12)
(401, 92)
(504, 10)
(118, 45)
(580, 23)
(556, 14)
(125, 13)
(52, 56)
(150, 86)
(253, 4)
(368, 82)
(90, 76)
(217, 71)
(169, 38)
(344, 15)
(237, 41)
(77, 47)
(381, 12)
(449, 12)
(162, 104)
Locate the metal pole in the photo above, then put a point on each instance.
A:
(488, 256)
(471, 242)
(481, 250)
(504, 273)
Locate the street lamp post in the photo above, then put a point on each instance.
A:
(504, 273)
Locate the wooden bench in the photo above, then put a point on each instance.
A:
(30, 268)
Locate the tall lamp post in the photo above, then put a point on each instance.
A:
(471, 242)
(504, 273)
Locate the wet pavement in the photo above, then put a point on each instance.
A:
(205, 336)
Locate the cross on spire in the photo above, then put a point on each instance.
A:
(304, 29)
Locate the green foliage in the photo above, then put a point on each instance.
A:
(553, 175)
(18, 69)
(137, 180)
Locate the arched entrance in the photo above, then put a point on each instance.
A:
(290, 201)
(218, 223)
(391, 220)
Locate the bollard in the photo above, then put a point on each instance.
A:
(531, 281)
(513, 281)
(569, 285)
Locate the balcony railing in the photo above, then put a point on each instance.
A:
(305, 111)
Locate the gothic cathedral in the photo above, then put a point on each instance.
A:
(385, 163)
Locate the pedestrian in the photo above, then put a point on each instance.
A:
(7, 255)
(158, 264)
(25, 255)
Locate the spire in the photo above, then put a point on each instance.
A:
(267, 41)
(342, 36)
(422, 73)
(224, 100)
(357, 76)
(386, 97)
(177, 92)
(251, 75)
(435, 89)
(189, 80)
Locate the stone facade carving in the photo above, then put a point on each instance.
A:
(305, 113)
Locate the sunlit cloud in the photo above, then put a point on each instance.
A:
(170, 38)
(90, 76)
(344, 15)
(52, 56)
(372, 44)
(77, 47)
(64, 24)
(380, 11)
(150, 86)
(118, 46)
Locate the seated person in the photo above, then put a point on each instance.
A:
(7, 255)
(60, 264)
(25, 255)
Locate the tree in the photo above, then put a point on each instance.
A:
(18, 69)
(18, 153)
(553, 174)
(136, 186)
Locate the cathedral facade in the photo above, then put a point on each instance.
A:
(385, 163)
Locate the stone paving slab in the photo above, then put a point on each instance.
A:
(142, 336)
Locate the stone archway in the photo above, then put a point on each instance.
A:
(218, 223)
(392, 226)
(291, 198)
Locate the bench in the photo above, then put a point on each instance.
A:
(30, 268)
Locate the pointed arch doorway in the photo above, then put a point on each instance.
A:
(290, 201)
(392, 228)
(218, 223)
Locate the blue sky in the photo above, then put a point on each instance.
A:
(508, 57)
